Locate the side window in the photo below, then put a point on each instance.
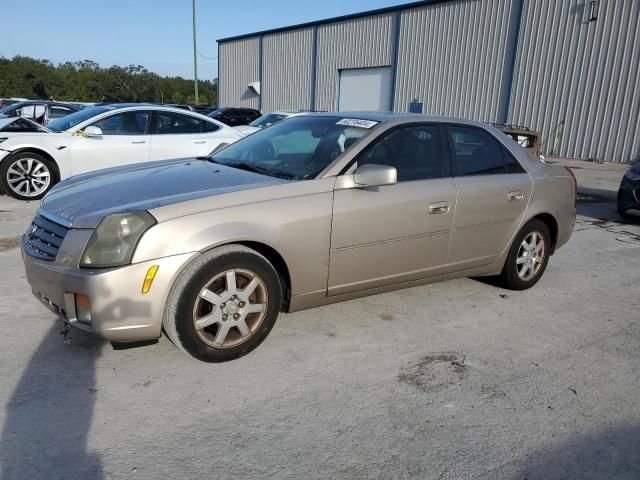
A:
(415, 151)
(58, 112)
(126, 123)
(475, 152)
(208, 127)
(176, 123)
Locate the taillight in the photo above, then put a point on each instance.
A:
(575, 187)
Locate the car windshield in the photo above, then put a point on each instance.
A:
(298, 149)
(268, 119)
(70, 121)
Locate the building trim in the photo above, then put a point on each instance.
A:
(260, 72)
(511, 53)
(314, 67)
(394, 58)
(342, 18)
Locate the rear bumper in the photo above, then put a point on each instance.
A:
(119, 310)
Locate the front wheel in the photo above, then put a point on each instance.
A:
(224, 304)
(528, 256)
(27, 176)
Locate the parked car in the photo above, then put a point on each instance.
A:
(102, 137)
(203, 109)
(41, 112)
(5, 102)
(629, 193)
(318, 209)
(530, 140)
(267, 120)
(235, 116)
(21, 125)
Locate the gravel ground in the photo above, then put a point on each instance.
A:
(454, 380)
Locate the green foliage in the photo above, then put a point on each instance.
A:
(86, 81)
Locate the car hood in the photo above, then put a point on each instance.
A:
(85, 199)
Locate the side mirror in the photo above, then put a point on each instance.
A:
(93, 132)
(375, 175)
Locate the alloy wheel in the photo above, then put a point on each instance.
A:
(28, 177)
(230, 308)
(530, 256)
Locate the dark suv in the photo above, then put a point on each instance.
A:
(235, 116)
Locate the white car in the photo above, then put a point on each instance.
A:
(266, 120)
(102, 137)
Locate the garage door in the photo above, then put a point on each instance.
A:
(364, 89)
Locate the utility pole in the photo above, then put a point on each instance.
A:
(195, 50)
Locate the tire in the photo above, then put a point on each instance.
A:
(522, 260)
(27, 176)
(232, 321)
(623, 213)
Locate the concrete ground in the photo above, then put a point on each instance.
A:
(454, 380)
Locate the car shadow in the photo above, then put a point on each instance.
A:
(48, 418)
(600, 204)
(613, 453)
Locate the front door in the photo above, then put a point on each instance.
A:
(493, 193)
(124, 141)
(394, 233)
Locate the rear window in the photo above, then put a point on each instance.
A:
(476, 152)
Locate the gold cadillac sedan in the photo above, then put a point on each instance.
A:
(316, 209)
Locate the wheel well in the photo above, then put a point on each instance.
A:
(279, 264)
(551, 223)
(56, 169)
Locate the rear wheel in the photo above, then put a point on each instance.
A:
(27, 176)
(224, 305)
(528, 256)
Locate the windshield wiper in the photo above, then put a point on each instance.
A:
(249, 168)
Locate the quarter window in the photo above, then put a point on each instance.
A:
(415, 152)
(477, 152)
(126, 123)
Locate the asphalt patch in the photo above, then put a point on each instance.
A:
(9, 243)
(435, 372)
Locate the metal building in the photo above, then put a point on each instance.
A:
(570, 68)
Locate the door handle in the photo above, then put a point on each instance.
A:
(200, 143)
(438, 207)
(515, 196)
(137, 142)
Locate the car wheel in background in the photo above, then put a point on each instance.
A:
(528, 256)
(27, 176)
(224, 304)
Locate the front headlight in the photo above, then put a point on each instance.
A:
(114, 241)
(633, 175)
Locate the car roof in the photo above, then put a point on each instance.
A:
(397, 117)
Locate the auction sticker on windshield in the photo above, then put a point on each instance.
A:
(356, 122)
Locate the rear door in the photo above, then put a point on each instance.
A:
(178, 135)
(124, 141)
(493, 193)
(394, 233)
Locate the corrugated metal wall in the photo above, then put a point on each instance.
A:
(240, 63)
(286, 70)
(451, 58)
(578, 80)
(357, 43)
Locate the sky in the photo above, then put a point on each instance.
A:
(154, 33)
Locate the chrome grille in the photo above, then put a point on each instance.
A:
(43, 238)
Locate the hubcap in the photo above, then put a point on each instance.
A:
(530, 256)
(28, 177)
(230, 308)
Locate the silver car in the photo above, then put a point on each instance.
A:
(313, 210)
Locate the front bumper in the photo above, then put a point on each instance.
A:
(119, 310)
(629, 195)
